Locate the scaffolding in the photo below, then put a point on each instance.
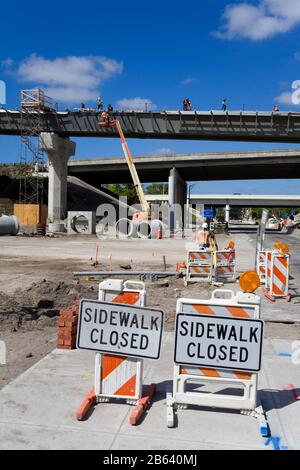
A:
(34, 103)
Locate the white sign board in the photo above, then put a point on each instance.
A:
(218, 342)
(120, 329)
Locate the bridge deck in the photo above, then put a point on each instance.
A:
(185, 125)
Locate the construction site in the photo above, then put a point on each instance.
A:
(150, 231)
(165, 320)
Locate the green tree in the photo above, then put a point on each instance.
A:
(127, 190)
(156, 188)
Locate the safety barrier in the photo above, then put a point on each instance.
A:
(119, 377)
(199, 266)
(225, 269)
(277, 278)
(226, 311)
(261, 266)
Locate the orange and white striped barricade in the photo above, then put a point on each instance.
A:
(199, 266)
(277, 285)
(218, 344)
(261, 266)
(120, 377)
(225, 266)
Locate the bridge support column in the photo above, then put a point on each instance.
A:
(177, 200)
(59, 150)
(227, 213)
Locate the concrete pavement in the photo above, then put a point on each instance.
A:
(37, 410)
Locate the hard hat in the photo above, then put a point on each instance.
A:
(205, 225)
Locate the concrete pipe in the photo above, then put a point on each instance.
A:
(124, 227)
(144, 229)
(9, 225)
(156, 226)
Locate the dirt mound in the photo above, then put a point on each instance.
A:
(41, 302)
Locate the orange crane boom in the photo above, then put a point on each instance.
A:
(107, 122)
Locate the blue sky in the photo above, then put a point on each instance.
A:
(132, 53)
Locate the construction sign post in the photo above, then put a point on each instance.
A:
(218, 348)
(120, 329)
(230, 343)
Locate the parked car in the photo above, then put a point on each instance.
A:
(274, 224)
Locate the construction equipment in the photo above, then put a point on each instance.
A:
(144, 214)
(34, 104)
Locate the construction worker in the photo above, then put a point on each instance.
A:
(224, 104)
(275, 109)
(203, 237)
(187, 105)
(105, 116)
(110, 108)
(100, 103)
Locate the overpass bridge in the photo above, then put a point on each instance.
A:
(255, 126)
(55, 129)
(235, 200)
(192, 167)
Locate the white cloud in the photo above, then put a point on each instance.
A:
(285, 98)
(297, 56)
(136, 103)
(188, 81)
(68, 79)
(163, 151)
(6, 63)
(261, 21)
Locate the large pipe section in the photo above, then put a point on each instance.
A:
(9, 225)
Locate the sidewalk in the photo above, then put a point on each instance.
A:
(37, 410)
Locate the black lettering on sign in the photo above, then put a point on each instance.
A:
(114, 338)
(253, 332)
(113, 317)
(93, 332)
(133, 341)
(199, 352)
(242, 340)
(210, 330)
(144, 342)
(244, 354)
(134, 321)
(124, 318)
(232, 333)
(232, 353)
(88, 314)
(143, 327)
(199, 330)
(124, 341)
(222, 331)
(154, 323)
(101, 339)
(211, 351)
(102, 317)
(189, 349)
(183, 328)
(222, 354)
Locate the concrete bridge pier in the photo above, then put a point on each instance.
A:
(59, 150)
(176, 199)
(227, 213)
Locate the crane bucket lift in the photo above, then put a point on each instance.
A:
(108, 122)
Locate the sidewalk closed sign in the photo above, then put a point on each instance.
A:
(120, 329)
(218, 342)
